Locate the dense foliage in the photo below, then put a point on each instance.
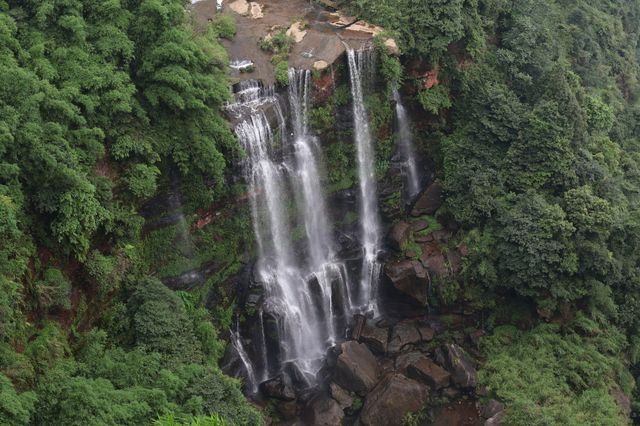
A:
(535, 111)
(100, 103)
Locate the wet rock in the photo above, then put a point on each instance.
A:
(430, 201)
(451, 393)
(409, 278)
(323, 411)
(375, 338)
(402, 335)
(403, 361)
(421, 239)
(429, 372)
(400, 234)
(232, 365)
(358, 327)
(298, 379)
(495, 420)
(453, 358)
(475, 337)
(341, 396)
(280, 387)
(460, 412)
(426, 333)
(491, 408)
(356, 368)
(288, 410)
(435, 263)
(392, 399)
(419, 225)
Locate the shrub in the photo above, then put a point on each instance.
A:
(225, 26)
(435, 99)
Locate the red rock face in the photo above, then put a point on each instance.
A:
(430, 79)
(324, 87)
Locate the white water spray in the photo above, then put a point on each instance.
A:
(405, 143)
(359, 69)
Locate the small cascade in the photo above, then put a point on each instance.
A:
(252, 385)
(361, 66)
(406, 147)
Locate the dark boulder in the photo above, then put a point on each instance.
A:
(410, 278)
(491, 408)
(323, 411)
(429, 372)
(280, 387)
(454, 359)
(299, 380)
(400, 234)
(356, 368)
(434, 261)
(403, 361)
(495, 420)
(392, 399)
(427, 333)
(341, 396)
(419, 225)
(375, 338)
(403, 334)
(430, 201)
(233, 365)
(288, 410)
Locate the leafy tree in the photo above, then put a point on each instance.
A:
(15, 409)
(54, 290)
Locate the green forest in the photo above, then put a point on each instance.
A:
(534, 128)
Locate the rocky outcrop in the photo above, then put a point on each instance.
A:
(341, 396)
(454, 359)
(280, 387)
(375, 338)
(403, 334)
(430, 201)
(495, 420)
(491, 408)
(392, 399)
(427, 371)
(403, 361)
(400, 235)
(410, 278)
(323, 411)
(356, 368)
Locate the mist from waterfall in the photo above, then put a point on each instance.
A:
(360, 73)
(406, 146)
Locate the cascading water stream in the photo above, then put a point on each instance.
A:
(405, 144)
(330, 275)
(306, 294)
(360, 64)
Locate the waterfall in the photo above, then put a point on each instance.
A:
(305, 286)
(310, 200)
(252, 386)
(405, 144)
(360, 70)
